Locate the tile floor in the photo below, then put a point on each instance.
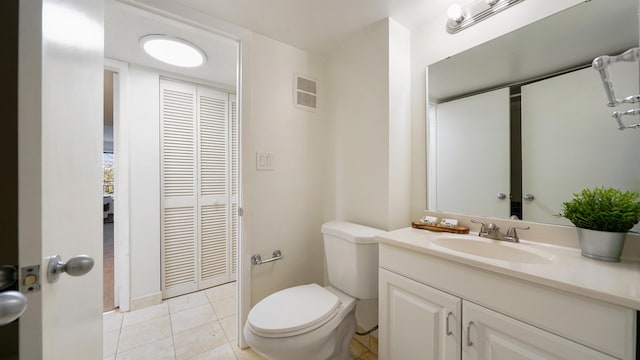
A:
(198, 326)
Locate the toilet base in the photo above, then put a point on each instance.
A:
(344, 334)
(319, 344)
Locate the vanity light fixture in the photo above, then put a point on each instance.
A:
(173, 51)
(461, 17)
(454, 13)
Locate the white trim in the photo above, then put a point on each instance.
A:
(121, 240)
(432, 142)
(146, 301)
(243, 286)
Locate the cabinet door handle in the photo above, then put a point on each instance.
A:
(469, 342)
(449, 332)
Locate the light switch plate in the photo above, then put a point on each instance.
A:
(264, 161)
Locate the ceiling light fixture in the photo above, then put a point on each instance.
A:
(461, 17)
(173, 51)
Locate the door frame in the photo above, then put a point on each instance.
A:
(243, 36)
(121, 241)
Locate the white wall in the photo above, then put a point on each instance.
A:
(283, 207)
(368, 110)
(431, 43)
(399, 125)
(144, 157)
(369, 134)
(358, 96)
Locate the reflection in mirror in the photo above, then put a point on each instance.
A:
(525, 115)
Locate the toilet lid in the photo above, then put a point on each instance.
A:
(293, 309)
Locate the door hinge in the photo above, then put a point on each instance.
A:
(240, 211)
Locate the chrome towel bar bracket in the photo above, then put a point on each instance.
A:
(600, 64)
(257, 259)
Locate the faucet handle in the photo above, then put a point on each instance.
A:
(513, 234)
(483, 226)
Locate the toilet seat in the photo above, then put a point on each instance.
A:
(293, 311)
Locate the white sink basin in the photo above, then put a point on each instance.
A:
(492, 249)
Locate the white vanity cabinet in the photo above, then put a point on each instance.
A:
(420, 322)
(435, 308)
(417, 321)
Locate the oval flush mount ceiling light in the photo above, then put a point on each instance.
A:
(173, 51)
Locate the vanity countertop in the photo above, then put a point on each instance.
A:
(616, 283)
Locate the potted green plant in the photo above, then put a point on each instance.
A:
(603, 217)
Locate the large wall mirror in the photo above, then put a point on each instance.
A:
(520, 123)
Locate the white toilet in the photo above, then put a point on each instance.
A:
(313, 322)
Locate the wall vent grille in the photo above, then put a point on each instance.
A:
(305, 93)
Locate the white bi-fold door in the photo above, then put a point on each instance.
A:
(199, 187)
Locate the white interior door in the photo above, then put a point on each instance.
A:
(570, 142)
(59, 151)
(472, 155)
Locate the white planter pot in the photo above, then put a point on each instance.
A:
(601, 245)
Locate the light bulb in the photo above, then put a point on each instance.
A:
(454, 12)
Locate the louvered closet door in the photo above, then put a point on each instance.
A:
(178, 188)
(200, 227)
(214, 180)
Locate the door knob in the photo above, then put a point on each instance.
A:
(8, 276)
(529, 197)
(12, 306)
(76, 266)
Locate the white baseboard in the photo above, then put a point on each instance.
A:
(146, 301)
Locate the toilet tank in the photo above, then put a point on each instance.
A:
(351, 251)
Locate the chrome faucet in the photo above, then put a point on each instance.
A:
(492, 231)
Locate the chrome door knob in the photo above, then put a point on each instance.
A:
(12, 306)
(529, 197)
(502, 196)
(8, 276)
(76, 266)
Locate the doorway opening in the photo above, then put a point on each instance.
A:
(139, 221)
(108, 195)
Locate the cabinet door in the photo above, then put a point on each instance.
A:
(488, 335)
(417, 321)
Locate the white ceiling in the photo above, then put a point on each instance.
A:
(313, 26)
(125, 25)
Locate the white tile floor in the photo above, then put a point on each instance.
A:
(200, 326)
